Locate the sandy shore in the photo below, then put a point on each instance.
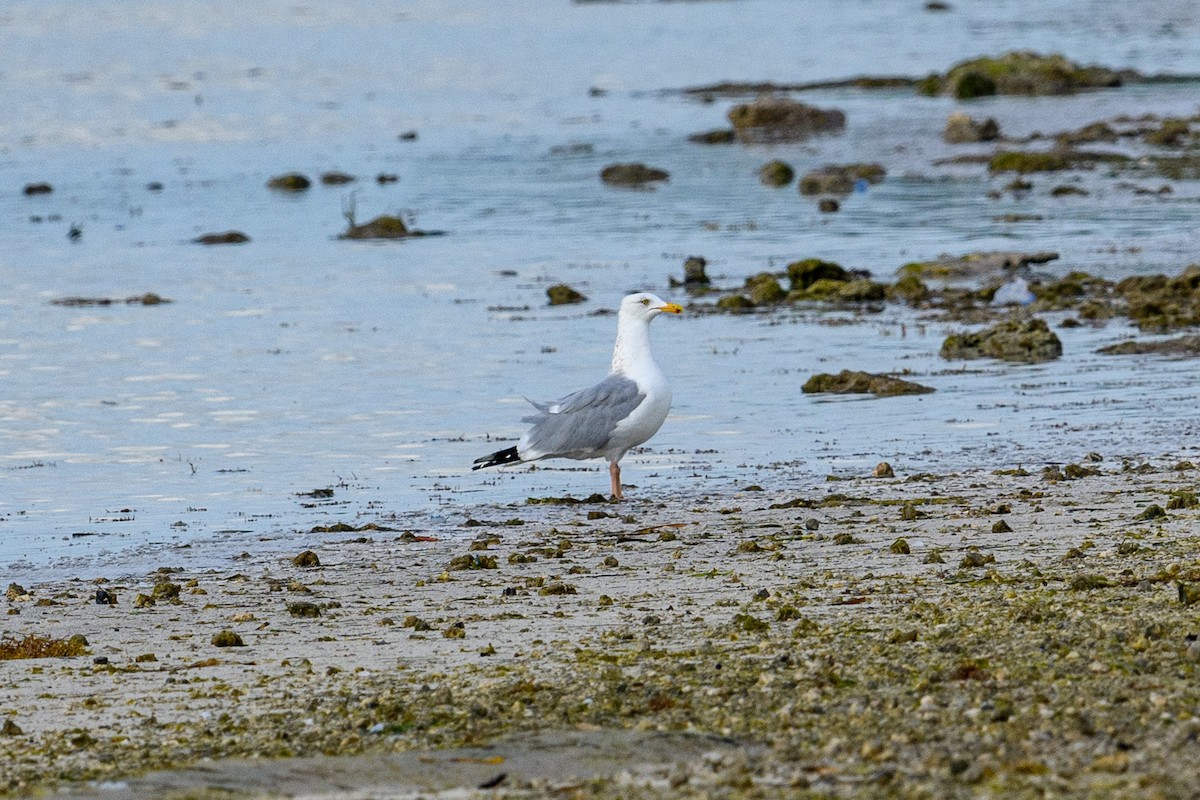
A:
(911, 636)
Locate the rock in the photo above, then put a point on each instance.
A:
(764, 289)
(693, 272)
(1170, 133)
(632, 175)
(1064, 190)
(735, 302)
(336, 178)
(808, 271)
(105, 598)
(290, 182)
(304, 609)
(408, 136)
(861, 290)
(227, 639)
(961, 129)
(974, 265)
(384, 178)
(32, 189)
(858, 382)
(563, 295)
(884, 470)
(827, 205)
(229, 237)
(306, 559)
(1028, 161)
(384, 227)
(10, 728)
(910, 289)
(1184, 346)
(840, 178)
(718, 136)
(776, 173)
(778, 119)
(1158, 303)
(1018, 72)
(15, 591)
(1024, 341)
(1094, 132)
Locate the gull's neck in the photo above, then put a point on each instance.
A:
(631, 354)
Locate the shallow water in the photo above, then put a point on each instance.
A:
(299, 362)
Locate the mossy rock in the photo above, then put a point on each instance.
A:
(718, 136)
(764, 289)
(828, 290)
(805, 273)
(228, 237)
(1158, 303)
(1088, 134)
(1024, 341)
(1170, 133)
(858, 382)
(227, 639)
(776, 173)
(632, 175)
(290, 182)
(303, 609)
(840, 178)
(1181, 346)
(779, 119)
(1028, 161)
(911, 289)
(384, 226)
(973, 265)
(735, 302)
(306, 559)
(694, 272)
(961, 129)
(337, 178)
(1019, 72)
(563, 295)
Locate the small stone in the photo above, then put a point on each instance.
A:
(827, 205)
(143, 601)
(15, 591)
(10, 728)
(900, 547)
(812, 524)
(1152, 511)
(974, 559)
(611, 561)
(1001, 527)
(693, 272)
(1189, 593)
(165, 590)
(884, 470)
(105, 598)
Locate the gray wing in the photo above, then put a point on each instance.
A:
(580, 424)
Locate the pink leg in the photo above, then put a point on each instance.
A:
(614, 470)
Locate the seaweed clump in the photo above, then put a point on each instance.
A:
(859, 382)
(1018, 72)
(776, 173)
(33, 645)
(1025, 341)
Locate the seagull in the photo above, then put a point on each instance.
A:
(608, 419)
(1014, 293)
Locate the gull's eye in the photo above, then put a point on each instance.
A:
(645, 301)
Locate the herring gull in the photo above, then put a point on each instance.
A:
(608, 419)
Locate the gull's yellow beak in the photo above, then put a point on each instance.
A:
(671, 308)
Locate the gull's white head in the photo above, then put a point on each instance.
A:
(646, 306)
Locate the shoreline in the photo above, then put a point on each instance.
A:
(1048, 648)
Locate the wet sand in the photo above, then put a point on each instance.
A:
(909, 636)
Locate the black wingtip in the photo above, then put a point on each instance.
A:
(508, 456)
